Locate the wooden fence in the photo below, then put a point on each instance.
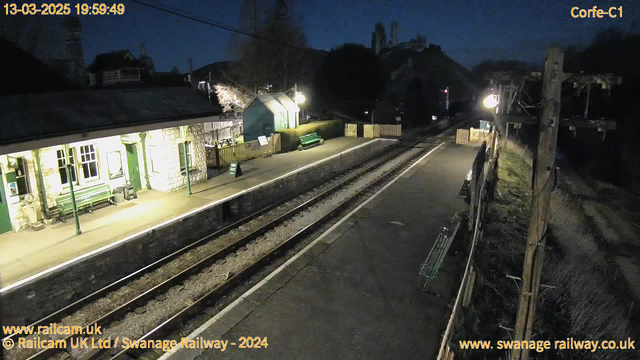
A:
(464, 136)
(220, 157)
(479, 135)
(390, 130)
(479, 185)
(371, 131)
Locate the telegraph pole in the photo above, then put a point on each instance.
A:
(544, 166)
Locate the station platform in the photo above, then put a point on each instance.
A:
(353, 292)
(29, 252)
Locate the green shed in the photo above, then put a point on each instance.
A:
(269, 113)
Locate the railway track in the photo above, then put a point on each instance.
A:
(205, 266)
(153, 292)
(191, 310)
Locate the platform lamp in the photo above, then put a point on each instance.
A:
(298, 98)
(68, 165)
(183, 133)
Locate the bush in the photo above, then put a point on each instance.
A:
(328, 129)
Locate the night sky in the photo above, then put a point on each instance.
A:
(467, 30)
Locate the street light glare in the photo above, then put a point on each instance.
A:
(490, 101)
(300, 98)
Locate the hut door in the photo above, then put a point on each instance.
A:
(5, 220)
(134, 169)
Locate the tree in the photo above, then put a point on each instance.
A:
(483, 69)
(278, 60)
(350, 79)
(175, 70)
(231, 98)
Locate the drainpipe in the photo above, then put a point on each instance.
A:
(73, 195)
(143, 137)
(43, 192)
(186, 168)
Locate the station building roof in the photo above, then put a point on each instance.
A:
(277, 102)
(39, 120)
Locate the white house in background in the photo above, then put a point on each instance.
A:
(117, 67)
(269, 113)
(114, 136)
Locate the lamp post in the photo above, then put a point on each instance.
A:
(68, 166)
(299, 98)
(490, 102)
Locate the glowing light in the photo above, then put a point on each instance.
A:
(300, 98)
(434, 118)
(490, 101)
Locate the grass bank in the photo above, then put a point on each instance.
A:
(586, 303)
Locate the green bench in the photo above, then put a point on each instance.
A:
(310, 140)
(431, 267)
(84, 198)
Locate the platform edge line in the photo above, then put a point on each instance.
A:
(26, 280)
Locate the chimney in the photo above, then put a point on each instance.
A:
(73, 42)
(146, 60)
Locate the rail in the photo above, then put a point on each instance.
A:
(151, 293)
(196, 307)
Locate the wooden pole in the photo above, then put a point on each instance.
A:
(586, 107)
(544, 165)
(506, 135)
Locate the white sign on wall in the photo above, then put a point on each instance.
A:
(397, 118)
(263, 140)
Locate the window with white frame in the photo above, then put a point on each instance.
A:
(114, 165)
(89, 162)
(181, 148)
(62, 162)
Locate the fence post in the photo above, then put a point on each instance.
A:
(469, 288)
(217, 153)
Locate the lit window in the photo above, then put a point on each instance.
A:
(181, 154)
(89, 162)
(62, 166)
(114, 164)
(22, 176)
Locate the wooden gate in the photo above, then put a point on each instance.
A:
(462, 136)
(351, 130)
(369, 131)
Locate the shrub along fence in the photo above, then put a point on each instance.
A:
(327, 129)
(480, 186)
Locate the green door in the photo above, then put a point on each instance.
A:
(134, 169)
(5, 220)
